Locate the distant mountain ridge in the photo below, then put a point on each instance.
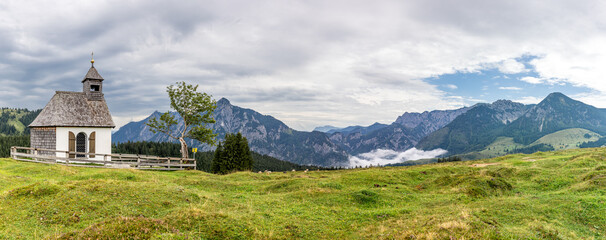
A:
(556, 112)
(325, 128)
(430, 121)
(333, 147)
(481, 126)
(401, 135)
(474, 129)
(266, 135)
(459, 131)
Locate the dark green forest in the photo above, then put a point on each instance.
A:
(7, 141)
(204, 159)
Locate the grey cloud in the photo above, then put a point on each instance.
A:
(308, 62)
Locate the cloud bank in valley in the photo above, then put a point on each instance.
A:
(386, 156)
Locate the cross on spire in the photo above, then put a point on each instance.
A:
(92, 59)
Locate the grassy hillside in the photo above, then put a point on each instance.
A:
(569, 138)
(15, 121)
(564, 139)
(540, 196)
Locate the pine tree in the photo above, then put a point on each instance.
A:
(233, 155)
(218, 164)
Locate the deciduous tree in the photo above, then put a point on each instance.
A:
(196, 110)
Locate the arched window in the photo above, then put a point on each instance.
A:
(81, 144)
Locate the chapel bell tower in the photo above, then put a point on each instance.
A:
(93, 83)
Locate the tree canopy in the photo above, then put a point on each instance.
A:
(196, 110)
(232, 155)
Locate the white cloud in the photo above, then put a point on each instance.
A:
(532, 80)
(511, 66)
(542, 80)
(594, 98)
(510, 88)
(451, 86)
(528, 100)
(386, 156)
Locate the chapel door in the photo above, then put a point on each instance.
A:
(72, 144)
(91, 144)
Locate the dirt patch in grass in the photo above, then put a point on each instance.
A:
(484, 164)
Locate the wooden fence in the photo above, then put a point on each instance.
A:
(108, 160)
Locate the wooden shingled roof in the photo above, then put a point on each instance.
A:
(92, 74)
(73, 109)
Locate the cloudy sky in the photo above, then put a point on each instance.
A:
(307, 63)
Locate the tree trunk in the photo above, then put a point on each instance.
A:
(184, 152)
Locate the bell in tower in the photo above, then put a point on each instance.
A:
(93, 83)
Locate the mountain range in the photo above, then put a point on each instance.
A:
(482, 130)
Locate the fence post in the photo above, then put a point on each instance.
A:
(104, 159)
(138, 161)
(67, 158)
(13, 151)
(35, 152)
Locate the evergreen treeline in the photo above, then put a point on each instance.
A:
(148, 148)
(232, 155)
(532, 149)
(28, 118)
(6, 142)
(598, 143)
(449, 159)
(6, 127)
(204, 159)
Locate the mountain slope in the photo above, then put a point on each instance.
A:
(556, 112)
(266, 135)
(394, 137)
(430, 121)
(358, 129)
(401, 135)
(474, 129)
(325, 128)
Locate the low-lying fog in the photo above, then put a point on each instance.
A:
(386, 156)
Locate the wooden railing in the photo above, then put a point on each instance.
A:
(108, 160)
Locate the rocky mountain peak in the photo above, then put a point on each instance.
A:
(223, 102)
(430, 121)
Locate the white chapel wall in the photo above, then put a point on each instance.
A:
(103, 139)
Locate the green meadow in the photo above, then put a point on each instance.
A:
(550, 195)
